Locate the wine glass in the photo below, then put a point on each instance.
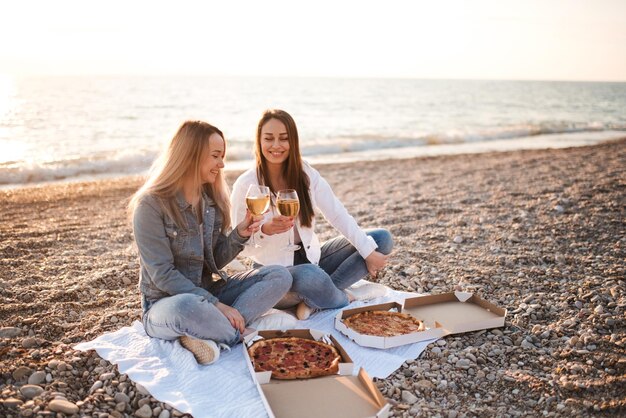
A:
(288, 205)
(257, 201)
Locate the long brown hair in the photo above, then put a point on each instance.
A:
(292, 170)
(184, 155)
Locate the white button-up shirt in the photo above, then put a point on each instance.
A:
(324, 201)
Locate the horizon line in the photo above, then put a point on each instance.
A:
(360, 77)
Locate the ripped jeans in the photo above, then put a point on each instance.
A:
(321, 286)
(252, 293)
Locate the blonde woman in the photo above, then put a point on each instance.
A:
(181, 223)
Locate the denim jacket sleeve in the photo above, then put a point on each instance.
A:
(156, 254)
(226, 247)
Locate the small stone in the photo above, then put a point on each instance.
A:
(61, 405)
(441, 343)
(107, 376)
(578, 304)
(10, 332)
(573, 341)
(37, 378)
(142, 390)
(425, 384)
(27, 412)
(436, 350)
(144, 401)
(121, 397)
(527, 344)
(11, 402)
(96, 385)
(31, 391)
(29, 342)
(408, 397)
(120, 406)
(113, 319)
(453, 414)
(463, 364)
(21, 373)
(599, 309)
(559, 208)
(164, 414)
(458, 239)
(144, 412)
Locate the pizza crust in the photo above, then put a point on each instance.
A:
(294, 358)
(384, 323)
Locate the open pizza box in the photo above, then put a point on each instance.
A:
(443, 314)
(349, 394)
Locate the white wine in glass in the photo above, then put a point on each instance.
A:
(288, 204)
(257, 201)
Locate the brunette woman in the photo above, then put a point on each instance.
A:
(322, 273)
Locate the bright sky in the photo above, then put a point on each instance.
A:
(467, 39)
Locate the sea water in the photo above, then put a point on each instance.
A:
(65, 128)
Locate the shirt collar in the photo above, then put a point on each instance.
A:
(183, 204)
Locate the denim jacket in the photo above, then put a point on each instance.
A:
(172, 259)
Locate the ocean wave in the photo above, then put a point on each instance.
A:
(24, 173)
(139, 161)
(372, 141)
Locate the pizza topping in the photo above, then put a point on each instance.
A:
(294, 358)
(384, 323)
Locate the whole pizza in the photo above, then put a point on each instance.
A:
(294, 358)
(384, 323)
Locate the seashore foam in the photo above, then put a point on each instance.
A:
(15, 175)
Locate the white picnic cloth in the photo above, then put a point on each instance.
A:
(225, 389)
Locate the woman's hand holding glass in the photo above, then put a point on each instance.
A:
(248, 226)
(257, 201)
(278, 225)
(288, 205)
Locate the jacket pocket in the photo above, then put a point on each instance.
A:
(179, 241)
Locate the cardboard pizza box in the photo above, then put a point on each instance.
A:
(349, 394)
(443, 314)
(457, 312)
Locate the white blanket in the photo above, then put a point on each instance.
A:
(225, 389)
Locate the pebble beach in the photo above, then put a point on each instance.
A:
(541, 233)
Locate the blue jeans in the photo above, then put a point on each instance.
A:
(340, 266)
(252, 293)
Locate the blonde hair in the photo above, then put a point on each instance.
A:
(184, 155)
